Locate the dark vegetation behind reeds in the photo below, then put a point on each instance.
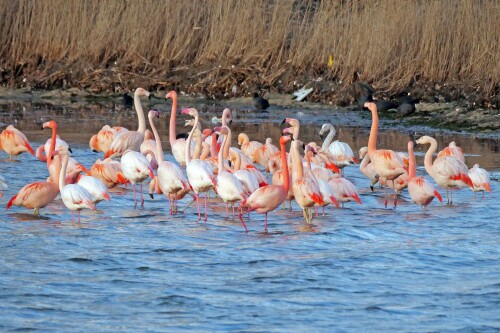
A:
(210, 46)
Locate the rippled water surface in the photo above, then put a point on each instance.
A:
(362, 268)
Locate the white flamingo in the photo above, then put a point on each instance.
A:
(136, 168)
(342, 153)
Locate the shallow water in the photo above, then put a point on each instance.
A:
(362, 268)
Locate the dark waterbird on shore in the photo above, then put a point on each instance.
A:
(382, 105)
(128, 100)
(259, 102)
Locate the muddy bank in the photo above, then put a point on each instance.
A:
(452, 116)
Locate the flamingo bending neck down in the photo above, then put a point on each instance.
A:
(421, 191)
(74, 197)
(130, 140)
(268, 198)
(480, 179)
(387, 163)
(200, 174)
(14, 142)
(170, 179)
(447, 171)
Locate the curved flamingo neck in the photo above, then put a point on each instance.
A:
(245, 139)
(221, 154)
(428, 157)
(187, 148)
(372, 140)
(286, 172)
(173, 118)
(159, 149)
(228, 144)
(296, 161)
(213, 146)
(62, 174)
(140, 113)
(197, 147)
(225, 113)
(412, 167)
(237, 161)
(329, 138)
(52, 144)
(296, 130)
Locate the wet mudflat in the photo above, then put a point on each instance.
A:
(355, 269)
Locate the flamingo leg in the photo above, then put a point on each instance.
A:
(323, 210)
(227, 211)
(72, 216)
(198, 203)
(135, 197)
(142, 197)
(447, 196)
(451, 196)
(36, 211)
(233, 210)
(78, 216)
(243, 223)
(316, 210)
(290, 201)
(395, 196)
(385, 197)
(265, 223)
(206, 216)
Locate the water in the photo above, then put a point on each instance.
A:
(362, 268)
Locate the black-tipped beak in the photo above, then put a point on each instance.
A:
(217, 136)
(303, 146)
(69, 149)
(151, 196)
(283, 122)
(95, 151)
(150, 96)
(230, 121)
(322, 136)
(230, 164)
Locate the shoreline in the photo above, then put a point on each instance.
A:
(450, 117)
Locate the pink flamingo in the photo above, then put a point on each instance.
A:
(199, 173)
(344, 190)
(454, 151)
(109, 172)
(74, 197)
(14, 142)
(268, 198)
(95, 187)
(170, 178)
(447, 171)
(480, 179)
(229, 187)
(176, 145)
(246, 177)
(264, 153)
(366, 167)
(130, 140)
(38, 195)
(421, 191)
(136, 168)
(324, 188)
(248, 147)
(101, 141)
(341, 152)
(387, 163)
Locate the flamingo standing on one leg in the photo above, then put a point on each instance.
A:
(136, 168)
(74, 197)
(199, 173)
(480, 179)
(268, 198)
(130, 140)
(170, 178)
(447, 171)
(387, 163)
(421, 191)
(14, 142)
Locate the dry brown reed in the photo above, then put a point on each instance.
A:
(215, 44)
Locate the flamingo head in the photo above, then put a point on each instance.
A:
(49, 124)
(424, 140)
(370, 106)
(63, 150)
(153, 113)
(228, 114)
(243, 138)
(362, 152)
(190, 111)
(324, 128)
(141, 92)
(171, 94)
(288, 130)
(224, 130)
(207, 132)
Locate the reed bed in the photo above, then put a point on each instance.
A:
(212, 46)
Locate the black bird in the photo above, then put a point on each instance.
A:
(383, 105)
(361, 100)
(128, 101)
(406, 109)
(260, 103)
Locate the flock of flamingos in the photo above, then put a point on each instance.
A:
(207, 162)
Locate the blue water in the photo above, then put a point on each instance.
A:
(362, 268)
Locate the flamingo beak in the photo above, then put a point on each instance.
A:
(185, 111)
(283, 122)
(322, 136)
(94, 151)
(230, 121)
(69, 149)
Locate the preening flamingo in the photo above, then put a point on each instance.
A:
(344, 190)
(247, 178)
(447, 171)
(454, 151)
(229, 187)
(341, 152)
(101, 141)
(109, 172)
(130, 140)
(170, 179)
(14, 142)
(480, 179)
(136, 168)
(96, 188)
(387, 163)
(199, 173)
(248, 147)
(74, 197)
(268, 198)
(421, 191)
(366, 167)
